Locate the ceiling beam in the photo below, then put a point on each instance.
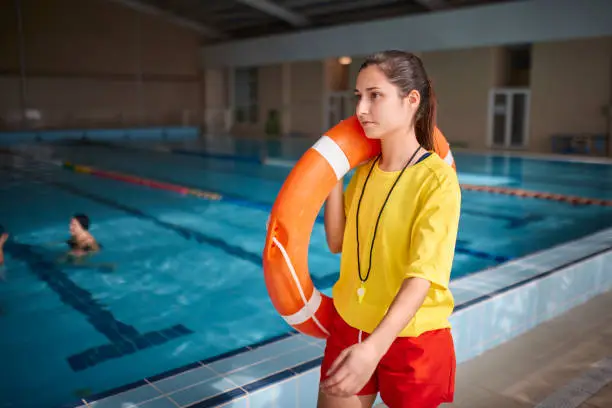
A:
(506, 23)
(355, 5)
(204, 30)
(273, 9)
(433, 4)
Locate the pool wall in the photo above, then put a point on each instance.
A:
(150, 133)
(492, 307)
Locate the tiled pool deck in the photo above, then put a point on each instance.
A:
(492, 307)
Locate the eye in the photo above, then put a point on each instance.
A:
(375, 95)
(357, 97)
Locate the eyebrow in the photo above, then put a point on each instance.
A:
(372, 88)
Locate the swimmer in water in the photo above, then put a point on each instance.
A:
(81, 241)
(81, 244)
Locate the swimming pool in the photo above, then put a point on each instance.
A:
(188, 283)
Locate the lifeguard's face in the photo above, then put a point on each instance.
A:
(380, 107)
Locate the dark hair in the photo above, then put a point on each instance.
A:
(405, 70)
(83, 220)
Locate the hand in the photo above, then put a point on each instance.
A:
(350, 372)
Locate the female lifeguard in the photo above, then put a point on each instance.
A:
(396, 226)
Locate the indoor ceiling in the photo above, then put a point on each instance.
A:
(227, 20)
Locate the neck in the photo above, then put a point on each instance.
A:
(396, 150)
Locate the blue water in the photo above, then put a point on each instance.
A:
(187, 281)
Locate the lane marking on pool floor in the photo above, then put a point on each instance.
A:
(582, 387)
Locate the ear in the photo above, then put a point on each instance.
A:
(414, 99)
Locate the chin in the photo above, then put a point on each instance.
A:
(372, 134)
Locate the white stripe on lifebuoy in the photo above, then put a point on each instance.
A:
(334, 155)
(449, 158)
(308, 311)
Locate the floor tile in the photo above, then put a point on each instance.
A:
(202, 391)
(157, 403)
(135, 396)
(283, 394)
(307, 387)
(263, 353)
(268, 367)
(184, 380)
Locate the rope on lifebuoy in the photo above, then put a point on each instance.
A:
(574, 200)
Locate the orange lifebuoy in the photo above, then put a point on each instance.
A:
(285, 255)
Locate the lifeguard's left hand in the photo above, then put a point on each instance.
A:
(350, 372)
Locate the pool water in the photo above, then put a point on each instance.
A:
(180, 279)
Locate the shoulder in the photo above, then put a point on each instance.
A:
(363, 167)
(90, 245)
(437, 175)
(361, 171)
(93, 245)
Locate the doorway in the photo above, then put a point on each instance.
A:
(509, 118)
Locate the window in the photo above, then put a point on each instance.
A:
(246, 95)
(520, 57)
(518, 66)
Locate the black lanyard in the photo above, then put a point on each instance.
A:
(363, 280)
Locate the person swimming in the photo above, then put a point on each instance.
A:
(81, 244)
(81, 241)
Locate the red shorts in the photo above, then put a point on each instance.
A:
(416, 372)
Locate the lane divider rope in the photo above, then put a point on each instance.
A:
(574, 200)
(113, 175)
(128, 178)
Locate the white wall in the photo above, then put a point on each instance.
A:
(571, 89)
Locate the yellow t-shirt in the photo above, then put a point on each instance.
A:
(416, 238)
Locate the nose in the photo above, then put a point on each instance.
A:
(362, 108)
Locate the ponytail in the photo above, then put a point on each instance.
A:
(426, 118)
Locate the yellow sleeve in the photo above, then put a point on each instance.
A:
(434, 234)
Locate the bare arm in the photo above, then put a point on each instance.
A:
(335, 218)
(403, 308)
